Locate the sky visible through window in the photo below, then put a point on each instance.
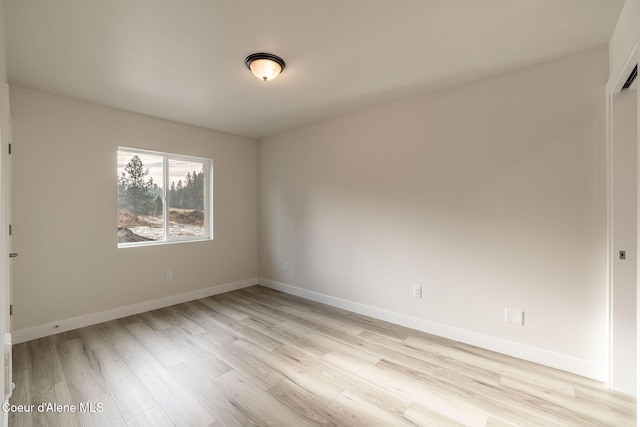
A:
(179, 168)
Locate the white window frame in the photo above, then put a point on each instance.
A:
(208, 192)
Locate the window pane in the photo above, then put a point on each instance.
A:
(140, 206)
(187, 198)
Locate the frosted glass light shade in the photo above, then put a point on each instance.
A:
(265, 69)
(265, 66)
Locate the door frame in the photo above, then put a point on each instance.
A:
(5, 246)
(617, 78)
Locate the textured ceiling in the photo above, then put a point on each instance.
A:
(184, 60)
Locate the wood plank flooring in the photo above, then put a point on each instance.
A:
(264, 358)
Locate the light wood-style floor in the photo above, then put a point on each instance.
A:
(261, 357)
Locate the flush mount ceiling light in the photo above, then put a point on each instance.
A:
(265, 66)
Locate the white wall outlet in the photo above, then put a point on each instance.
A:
(515, 316)
(285, 266)
(170, 275)
(417, 291)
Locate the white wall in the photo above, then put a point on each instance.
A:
(489, 195)
(626, 33)
(3, 47)
(64, 210)
(623, 237)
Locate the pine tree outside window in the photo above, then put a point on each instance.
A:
(163, 198)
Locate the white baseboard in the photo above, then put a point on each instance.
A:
(64, 325)
(533, 354)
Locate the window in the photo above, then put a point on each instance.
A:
(163, 198)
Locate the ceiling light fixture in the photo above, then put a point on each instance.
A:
(265, 66)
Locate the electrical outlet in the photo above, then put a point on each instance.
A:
(170, 275)
(515, 316)
(285, 266)
(417, 291)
